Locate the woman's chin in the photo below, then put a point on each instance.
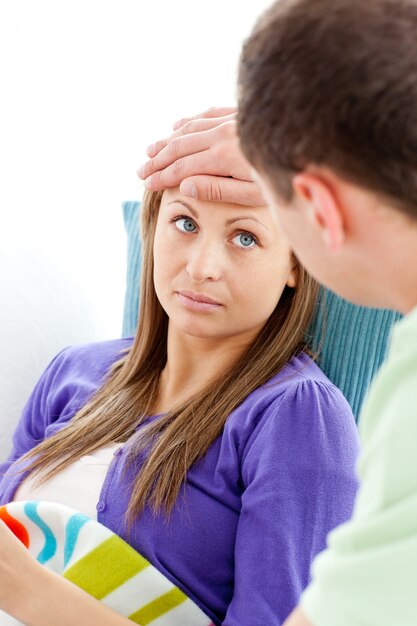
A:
(199, 329)
(199, 333)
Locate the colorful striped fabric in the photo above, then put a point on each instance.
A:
(94, 558)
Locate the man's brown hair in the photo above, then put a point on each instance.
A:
(333, 83)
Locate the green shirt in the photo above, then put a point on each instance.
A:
(368, 574)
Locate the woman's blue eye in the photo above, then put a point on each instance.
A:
(185, 224)
(245, 240)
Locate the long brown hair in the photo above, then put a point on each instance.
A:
(178, 439)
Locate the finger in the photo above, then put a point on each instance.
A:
(188, 128)
(212, 112)
(213, 152)
(178, 148)
(185, 167)
(189, 145)
(219, 189)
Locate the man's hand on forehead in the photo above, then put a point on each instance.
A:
(203, 157)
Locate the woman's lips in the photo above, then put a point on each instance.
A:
(197, 301)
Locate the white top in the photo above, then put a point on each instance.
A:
(78, 485)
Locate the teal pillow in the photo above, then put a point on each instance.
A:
(131, 304)
(352, 343)
(354, 340)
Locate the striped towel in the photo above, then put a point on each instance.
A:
(100, 562)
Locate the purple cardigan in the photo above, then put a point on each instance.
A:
(254, 512)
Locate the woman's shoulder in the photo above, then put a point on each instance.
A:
(76, 372)
(302, 376)
(300, 399)
(92, 359)
(304, 367)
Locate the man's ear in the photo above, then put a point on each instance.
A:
(323, 205)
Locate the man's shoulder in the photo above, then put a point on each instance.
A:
(392, 399)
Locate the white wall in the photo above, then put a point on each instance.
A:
(85, 86)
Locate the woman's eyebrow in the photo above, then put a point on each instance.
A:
(228, 222)
(245, 217)
(190, 208)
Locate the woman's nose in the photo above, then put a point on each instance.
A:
(204, 262)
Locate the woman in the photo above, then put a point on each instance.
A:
(232, 455)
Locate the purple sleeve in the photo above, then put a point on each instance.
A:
(299, 479)
(35, 417)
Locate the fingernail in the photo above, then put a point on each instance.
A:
(150, 150)
(141, 171)
(189, 189)
(147, 182)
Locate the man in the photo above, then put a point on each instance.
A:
(328, 121)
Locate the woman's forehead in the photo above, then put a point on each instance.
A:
(228, 210)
